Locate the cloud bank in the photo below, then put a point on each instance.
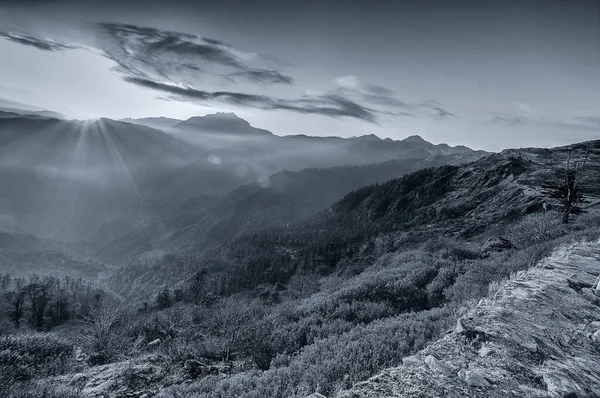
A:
(179, 64)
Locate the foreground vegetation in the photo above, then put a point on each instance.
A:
(314, 333)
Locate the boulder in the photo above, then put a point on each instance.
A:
(460, 327)
(193, 364)
(590, 296)
(596, 336)
(485, 350)
(411, 361)
(437, 366)
(154, 343)
(473, 378)
(194, 368)
(496, 244)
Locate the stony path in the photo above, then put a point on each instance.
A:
(539, 336)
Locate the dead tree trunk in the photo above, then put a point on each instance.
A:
(568, 190)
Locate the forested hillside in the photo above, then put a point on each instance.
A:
(459, 202)
(308, 281)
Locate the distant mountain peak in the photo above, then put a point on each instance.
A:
(223, 115)
(223, 122)
(219, 117)
(372, 136)
(214, 116)
(29, 113)
(417, 139)
(159, 122)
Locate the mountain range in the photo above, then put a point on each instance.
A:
(208, 258)
(98, 180)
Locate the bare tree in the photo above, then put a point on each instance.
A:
(234, 323)
(568, 189)
(101, 329)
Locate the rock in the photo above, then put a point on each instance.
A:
(460, 327)
(532, 347)
(411, 361)
(193, 364)
(561, 385)
(473, 378)
(437, 366)
(497, 244)
(534, 310)
(194, 369)
(316, 395)
(154, 343)
(596, 336)
(574, 285)
(589, 296)
(80, 356)
(485, 350)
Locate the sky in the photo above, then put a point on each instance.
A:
(487, 74)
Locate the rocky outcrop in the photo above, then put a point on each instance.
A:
(316, 395)
(194, 369)
(538, 336)
(496, 244)
(139, 378)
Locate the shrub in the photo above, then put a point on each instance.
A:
(536, 228)
(101, 331)
(30, 356)
(43, 390)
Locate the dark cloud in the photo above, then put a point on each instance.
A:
(156, 59)
(162, 53)
(40, 44)
(435, 109)
(440, 113)
(154, 42)
(262, 76)
(329, 105)
(351, 86)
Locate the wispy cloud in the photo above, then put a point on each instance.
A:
(384, 98)
(262, 76)
(330, 105)
(159, 53)
(583, 123)
(438, 111)
(40, 44)
(509, 120)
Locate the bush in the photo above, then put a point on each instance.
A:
(101, 332)
(43, 390)
(537, 228)
(30, 356)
